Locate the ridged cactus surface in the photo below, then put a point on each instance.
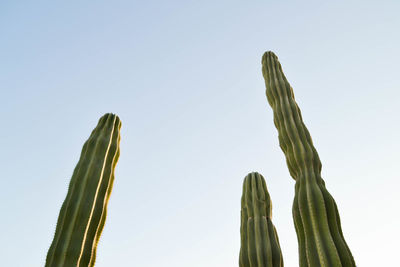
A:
(316, 217)
(83, 213)
(259, 239)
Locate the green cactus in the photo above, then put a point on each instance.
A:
(83, 213)
(259, 239)
(316, 217)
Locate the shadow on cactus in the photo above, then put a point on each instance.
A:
(83, 213)
(315, 214)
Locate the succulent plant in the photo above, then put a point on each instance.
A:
(316, 216)
(259, 239)
(83, 213)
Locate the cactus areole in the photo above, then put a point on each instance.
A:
(83, 213)
(316, 217)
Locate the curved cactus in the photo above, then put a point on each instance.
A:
(316, 217)
(259, 239)
(83, 213)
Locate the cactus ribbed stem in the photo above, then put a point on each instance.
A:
(316, 217)
(259, 239)
(83, 213)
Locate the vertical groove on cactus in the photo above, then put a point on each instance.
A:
(259, 239)
(316, 217)
(83, 213)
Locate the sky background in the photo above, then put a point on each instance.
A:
(185, 79)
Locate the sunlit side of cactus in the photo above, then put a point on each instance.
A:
(259, 239)
(83, 213)
(316, 217)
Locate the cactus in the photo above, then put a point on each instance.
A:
(259, 239)
(83, 213)
(316, 217)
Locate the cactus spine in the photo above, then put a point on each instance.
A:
(83, 213)
(316, 217)
(259, 239)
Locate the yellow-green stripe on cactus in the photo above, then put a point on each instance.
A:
(83, 212)
(316, 217)
(259, 240)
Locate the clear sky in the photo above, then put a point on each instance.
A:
(185, 79)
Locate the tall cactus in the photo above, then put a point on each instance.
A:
(83, 213)
(316, 217)
(259, 239)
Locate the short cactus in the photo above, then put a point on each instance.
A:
(316, 217)
(83, 213)
(259, 239)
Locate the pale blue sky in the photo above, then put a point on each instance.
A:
(185, 79)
